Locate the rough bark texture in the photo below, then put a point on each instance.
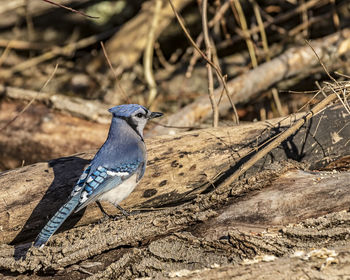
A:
(312, 264)
(36, 135)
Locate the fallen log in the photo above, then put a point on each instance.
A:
(86, 109)
(245, 86)
(292, 197)
(37, 134)
(315, 264)
(164, 240)
(179, 168)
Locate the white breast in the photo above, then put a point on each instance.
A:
(120, 192)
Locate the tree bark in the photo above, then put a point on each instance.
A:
(316, 265)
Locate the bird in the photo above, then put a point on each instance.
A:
(114, 171)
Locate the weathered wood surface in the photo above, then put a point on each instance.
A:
(245, 86)
(93, 110)
(292, 197)
(179, 168)
(41, 133)
(320, 264)
(158, 237)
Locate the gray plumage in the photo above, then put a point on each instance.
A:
(114, 171)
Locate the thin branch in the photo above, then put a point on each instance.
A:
(31, 101)
(65, 50)
(69, 9)
(214, 105)
(114, 73)
(205, 58)
(5, 53)
(305, 18)
(148, 54)
(245, 30)
(261, 28)
(218, 16)
(345, 103)
(282, 137)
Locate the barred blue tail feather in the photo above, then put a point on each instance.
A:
(56, 221)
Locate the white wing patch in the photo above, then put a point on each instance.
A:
(84, 197)
(90, 179)
(100, 177)
(120, 174)
(83, 176)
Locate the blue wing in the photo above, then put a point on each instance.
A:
(102, 180)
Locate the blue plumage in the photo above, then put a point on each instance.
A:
(114, 171)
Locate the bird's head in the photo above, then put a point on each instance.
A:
(135, 115)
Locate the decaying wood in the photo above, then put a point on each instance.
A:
(37, 134)
(179, 168)
(131, 41)
(161, 236)
(294, 196)
(320, 264)
(245, 86)
(93, 110)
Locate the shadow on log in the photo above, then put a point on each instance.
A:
(56, 192)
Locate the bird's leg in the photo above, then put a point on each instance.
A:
(121, 209)
(125, 212)
(105, 214)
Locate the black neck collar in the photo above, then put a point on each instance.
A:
(132, 125)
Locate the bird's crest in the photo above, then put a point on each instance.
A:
(125, 110)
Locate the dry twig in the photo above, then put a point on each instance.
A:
(244, 26)
(57, 51)
(282, 137)
(31, 101)
(217, 69)
(114, 73)
(214, 105)
(148, 54)
(69, 9)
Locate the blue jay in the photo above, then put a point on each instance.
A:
(114, 171)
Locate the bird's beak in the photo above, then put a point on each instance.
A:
(155, 115)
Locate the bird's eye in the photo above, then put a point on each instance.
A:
(139, 115)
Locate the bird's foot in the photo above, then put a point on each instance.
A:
(127, 213)
(124, 212)
(105, 218)
(118, 217)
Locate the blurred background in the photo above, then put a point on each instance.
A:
(146, 58)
